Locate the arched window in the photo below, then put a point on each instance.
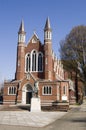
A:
(34, 61)
(47, 35)
(64, 90)
(12, 90)
(28, 61)
(47, 90)
(44, 90)
(27, 64)
(40, 62)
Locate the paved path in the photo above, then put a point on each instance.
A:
(25, 118)
(83, 107)
(75, 119)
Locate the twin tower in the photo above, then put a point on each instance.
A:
(45, 61)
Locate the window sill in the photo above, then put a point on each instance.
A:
(46, 94)
(11, 94)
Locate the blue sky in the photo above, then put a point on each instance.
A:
(63, 14)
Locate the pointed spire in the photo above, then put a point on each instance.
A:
(21, 29)
(47, 25)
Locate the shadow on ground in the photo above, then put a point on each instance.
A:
(81, 120)
(14, 108)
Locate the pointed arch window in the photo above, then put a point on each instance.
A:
(14, 90)
(47, 90)
(34, 62)
(44, 90)
(34, 57)
(11, 90)
(28, 62)
(40, 62)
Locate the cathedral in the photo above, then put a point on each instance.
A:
(38, 72)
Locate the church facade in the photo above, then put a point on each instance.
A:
(38, 71)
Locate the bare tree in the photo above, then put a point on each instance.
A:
(73, 52)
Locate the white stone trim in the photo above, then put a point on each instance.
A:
(46, 90)
(11, 90)
(24, 90)
(31, 54)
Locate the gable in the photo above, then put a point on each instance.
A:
(34, 44)
(28, 79)
(34, 39)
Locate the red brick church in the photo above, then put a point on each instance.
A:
(37, 70)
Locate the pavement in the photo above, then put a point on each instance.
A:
(83, 107)
(26, 118)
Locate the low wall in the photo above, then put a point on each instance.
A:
(56, 107)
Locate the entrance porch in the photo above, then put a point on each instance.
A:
(27, 93)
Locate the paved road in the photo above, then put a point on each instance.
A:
(73, 120)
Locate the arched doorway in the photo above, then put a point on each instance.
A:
(27, 94)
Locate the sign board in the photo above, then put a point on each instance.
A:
(64, 98)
